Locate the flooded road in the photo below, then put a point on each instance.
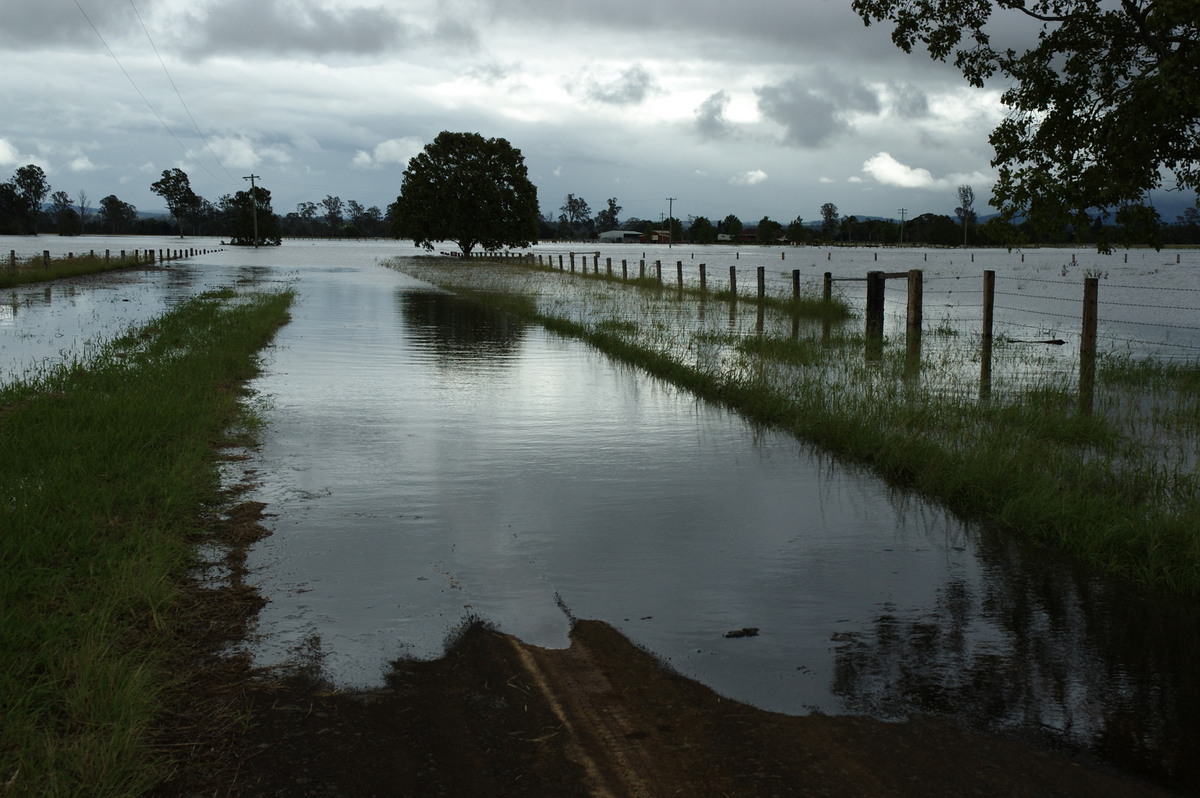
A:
(426, 461)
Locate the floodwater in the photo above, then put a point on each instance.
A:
(427, 461)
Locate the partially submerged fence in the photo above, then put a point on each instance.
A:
(132, 257)
(1084, 317)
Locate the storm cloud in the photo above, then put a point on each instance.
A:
(628, 100)
(815, 110)
(292, 27)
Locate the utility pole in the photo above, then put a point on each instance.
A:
(253, 204)
(903, 211)
(670, 222)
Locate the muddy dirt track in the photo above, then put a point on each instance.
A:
(496, 717)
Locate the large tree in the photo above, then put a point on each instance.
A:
(32, 187)
(796, 231)
(830, 223)
(769, 230)
(116, 214)
(66, 220)
(966, 208)
(702, 231)
(248, 213)
(334, 210)
(176, 190)
(575, 218)
(609, 218)
(1104, 105)
(469, 190)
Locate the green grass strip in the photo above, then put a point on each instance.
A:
(106, 468)
(35, 270)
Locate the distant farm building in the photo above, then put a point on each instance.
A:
(620, 236)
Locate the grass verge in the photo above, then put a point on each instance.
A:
(35, 270)
(106, 469)
(1117, 487)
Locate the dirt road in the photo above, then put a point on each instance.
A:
(496, 717)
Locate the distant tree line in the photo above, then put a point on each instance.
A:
(28, 206)
(575, 222)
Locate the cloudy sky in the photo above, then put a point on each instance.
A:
(771, 107)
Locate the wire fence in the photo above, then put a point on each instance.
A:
(1146, 305)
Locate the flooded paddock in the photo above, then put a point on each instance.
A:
(426, 461)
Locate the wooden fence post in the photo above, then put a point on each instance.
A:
(703, 279)
(762, 283)
(795, 284)
(913, 321)
(46, 258)
(658, 271)
(874, 312)
(679, 274)
(733, 282)
(608, 266)
(985, 357)
(642, 268)
(624, 269)
(1087, 346)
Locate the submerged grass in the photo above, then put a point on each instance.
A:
(1117, 486)
(105, 470)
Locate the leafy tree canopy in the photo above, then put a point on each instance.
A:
(248, 212)
(796, 231)
(702, 231)
(1105, 103)
(29, 188)
(769, 230)
(829, 219)
(469, 190)
(116, 214)
(176, 190)
(609, 218)
(730, 225)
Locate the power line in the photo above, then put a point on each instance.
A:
(129, 77)
(178, 94)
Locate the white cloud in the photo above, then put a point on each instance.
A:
(887, 170)
(235, 153)
(399, 151)
(890, 172)
(826, 180)
(750, 178)
(9, 155)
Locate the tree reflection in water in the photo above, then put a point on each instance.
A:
(459, 332)
(1040, 649)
